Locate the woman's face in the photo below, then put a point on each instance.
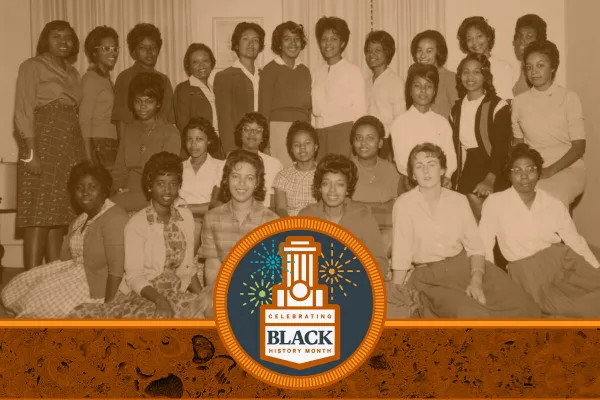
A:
(252, 136)
(249, 45)
(422, 91)
(303, 147)
(366, 142)
(200, 65)
(291, 45)
(164, 189)
(147, 52)
(539, 71)
(524, 175)
(60, 43)
(89, 195)
(375, 56)
(331, 45)
(107, 53)
(243, 180)
(427, 170)
(477, 41)
(525, 36)
(471, 76)
(427, 52)
(145, 107)
(334, 189)
(196, 142)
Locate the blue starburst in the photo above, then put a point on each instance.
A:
(270, 263)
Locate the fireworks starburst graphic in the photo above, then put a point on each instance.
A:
(336, 271)
(269, 263)
(259, 292)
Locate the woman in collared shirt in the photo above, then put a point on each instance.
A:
(436, 236)
(284, 95)
(195, 97)
(529, 28)
(95, 111)
(547, 257)
(47, 97)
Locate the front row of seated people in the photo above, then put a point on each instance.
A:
(442, 263)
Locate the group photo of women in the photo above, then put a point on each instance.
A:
(133, 189)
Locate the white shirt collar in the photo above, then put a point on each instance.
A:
(197, 82)
(238, 64)
(280, 61)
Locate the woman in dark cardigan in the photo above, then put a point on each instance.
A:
(481, 132)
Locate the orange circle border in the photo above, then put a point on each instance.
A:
(360, 354)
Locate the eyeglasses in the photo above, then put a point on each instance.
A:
(109, 49)
(258, 131)
(528, 170)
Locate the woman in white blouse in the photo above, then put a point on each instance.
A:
(547, 256)
(436, 237)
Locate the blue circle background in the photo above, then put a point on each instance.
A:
(356, 309)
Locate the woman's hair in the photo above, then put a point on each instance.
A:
(239, 31)
(243, 156)
(338, 25)
(335, 164)
(367, 120)
(534, 22)
(488, 79)
(144, 84)
(478, 23)
(94, 38)
(248, 119)
(278, 32)
(522, 150)
(431, 150)
(192, 48)
(204, 126)
(88, 168)
(57, 25)
(440, 43)
(385, 40)
(547, 48)
(143, 31)
(301, 126)
(163, 163)
(425, 71)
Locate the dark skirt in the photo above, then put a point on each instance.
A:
(43, 201)
(560, 281)
(443, 288)
(477, 166)
(335, 140)
(104, 151)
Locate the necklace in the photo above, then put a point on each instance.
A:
(367, 171)
(143, 147)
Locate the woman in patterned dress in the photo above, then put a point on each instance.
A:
(91, 265)
(160, 274)
(47, 96)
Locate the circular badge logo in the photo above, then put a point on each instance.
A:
(300, 303)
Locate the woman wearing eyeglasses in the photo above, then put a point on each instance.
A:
(547, 257)
(99, 134)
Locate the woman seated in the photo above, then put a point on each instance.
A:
(160, 274)
(436, 236)
(91, 265)
(252, 134)
(293, 185)
(146, 136)
(333, 187)
(243, 190)
(562, 277)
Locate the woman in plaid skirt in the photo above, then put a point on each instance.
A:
(48, 94)
(91, 265)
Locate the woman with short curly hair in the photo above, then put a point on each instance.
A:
(284, 95)
(528, 29)
(95, 111)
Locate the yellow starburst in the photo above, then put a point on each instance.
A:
(334, 273)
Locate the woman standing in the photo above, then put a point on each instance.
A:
(195, 98)
(284, 95)
(95, 111)
(529, 28)
(338, 92)
(549, 118)
(48, 94)
(429, 47)
(236, 87)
